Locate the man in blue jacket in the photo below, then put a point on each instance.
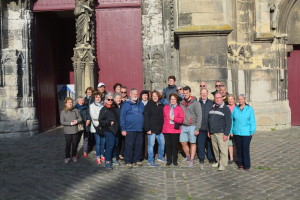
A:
(219, 122)
(132, 121)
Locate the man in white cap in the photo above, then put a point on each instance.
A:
(101, 88)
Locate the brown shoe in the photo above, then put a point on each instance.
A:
(138, 164)
(129, 166)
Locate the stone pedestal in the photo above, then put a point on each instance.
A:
(272, 115)
(83, 63)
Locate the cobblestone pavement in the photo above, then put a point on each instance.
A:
(32, 168)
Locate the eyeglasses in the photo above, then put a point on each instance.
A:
(109, 99)
(202, 85)
(123, 92)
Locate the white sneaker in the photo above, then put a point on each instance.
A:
(67, 160)
(215, 165)
(221, 168)
(74, 159)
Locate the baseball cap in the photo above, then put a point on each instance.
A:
(101, 84)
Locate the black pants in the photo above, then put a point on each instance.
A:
(121, 145)
(243, 150)
(171, 147)
(71, 140)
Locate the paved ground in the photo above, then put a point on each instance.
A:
(32, 168)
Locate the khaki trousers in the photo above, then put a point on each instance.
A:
(220, 148)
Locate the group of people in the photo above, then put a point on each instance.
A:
(122, 127)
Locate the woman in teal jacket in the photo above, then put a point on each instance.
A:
(243, 127)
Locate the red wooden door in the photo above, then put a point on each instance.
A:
(293, 85)
(45, 76)
(119, 43)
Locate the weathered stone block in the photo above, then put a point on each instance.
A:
(185, 19)
(193, 6)
(207, 74)
(216, 18)
(199, 18)
(218, 6)
(211, 60)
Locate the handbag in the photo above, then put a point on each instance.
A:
(80, 127)
(177, 126)
(99, 130)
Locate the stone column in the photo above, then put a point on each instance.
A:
(84, 51)
(159, 54)
(17, 109)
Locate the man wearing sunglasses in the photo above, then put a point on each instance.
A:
(218, 84)
(202, 85)
(180, 94)
(124, 93)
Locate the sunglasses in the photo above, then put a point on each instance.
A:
(219, 85)
(123, 92)
(109, 99)
(202, 85)
(179, 89)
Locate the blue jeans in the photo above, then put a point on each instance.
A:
(243, 150)
(204, 142)
(111, 140)
(100, 144)
(133, 147)
(161, 146)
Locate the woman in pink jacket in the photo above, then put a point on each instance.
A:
(173, 118)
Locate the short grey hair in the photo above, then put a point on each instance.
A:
(117, 94)
(133, 89)
(243, 95)
(80, 97)
(109, 94)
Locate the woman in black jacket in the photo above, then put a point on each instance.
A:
(153, 123)
(86, 119)
(109, 122)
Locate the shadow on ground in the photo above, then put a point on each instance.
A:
(32, 168)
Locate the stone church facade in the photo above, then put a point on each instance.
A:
(244, 43)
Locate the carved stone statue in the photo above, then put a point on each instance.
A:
(83, 13)
(274, 13)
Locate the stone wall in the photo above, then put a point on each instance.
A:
(160, 58)
(254, 52)
(17, 110)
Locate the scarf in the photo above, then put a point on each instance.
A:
(172, 107)
(80, 107)
(98, 104)
(108, 106)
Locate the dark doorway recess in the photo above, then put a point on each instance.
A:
(293, 84)
(55, 39)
